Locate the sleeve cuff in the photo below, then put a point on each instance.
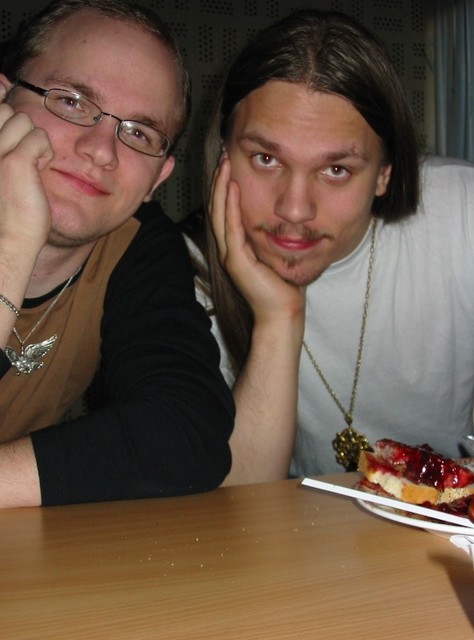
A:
(5, 363)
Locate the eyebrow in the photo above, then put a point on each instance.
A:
(344, 154)
(263, 142)
(89, 93)
(330, 156)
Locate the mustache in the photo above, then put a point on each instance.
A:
(283, 230)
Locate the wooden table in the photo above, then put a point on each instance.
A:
(261, 561)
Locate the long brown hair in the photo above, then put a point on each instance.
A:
(329, 52)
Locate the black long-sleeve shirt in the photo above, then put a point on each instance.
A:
(166, 413)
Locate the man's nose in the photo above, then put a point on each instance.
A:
(100, 141)
(296, 200)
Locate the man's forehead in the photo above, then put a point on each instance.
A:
(90, 28)
(277, 104)
(86, 53)
(105, 40)
(293, 122)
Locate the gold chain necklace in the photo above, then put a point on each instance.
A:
(349, 443)
(27, 360)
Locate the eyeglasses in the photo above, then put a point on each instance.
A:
(75, 108)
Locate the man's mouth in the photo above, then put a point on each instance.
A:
(83, 183)
(294, 241)
(293, 244)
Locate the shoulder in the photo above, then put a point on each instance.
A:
(444, 222)
(158, 237)
(439, 172)
(156, 255)
(154, 222)
(447, 187)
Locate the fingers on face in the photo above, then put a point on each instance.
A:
(17, 132)
(217, 205)
(225, 212)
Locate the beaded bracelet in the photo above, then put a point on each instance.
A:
(9, 305)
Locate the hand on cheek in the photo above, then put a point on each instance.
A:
(25, 150)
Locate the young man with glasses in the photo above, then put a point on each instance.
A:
(95, 96)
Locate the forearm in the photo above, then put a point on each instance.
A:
(132, 451)
(266, 391)
(266, 395)
(24, 210)
(19, 481)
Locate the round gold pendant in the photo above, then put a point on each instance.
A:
(348, 445)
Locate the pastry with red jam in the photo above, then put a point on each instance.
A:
(418, 475)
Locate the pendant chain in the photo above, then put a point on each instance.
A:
(46, 313)
(349, 415)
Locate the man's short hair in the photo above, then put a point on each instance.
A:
(31, 39)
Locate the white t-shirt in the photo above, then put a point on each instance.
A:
(416, 381)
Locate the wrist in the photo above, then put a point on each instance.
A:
(279, 333)
(9, 305)
(285, 320)
(16, 267)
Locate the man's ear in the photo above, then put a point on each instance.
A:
(383, 179)
(224, 152)
(5, 86)
(165, 173)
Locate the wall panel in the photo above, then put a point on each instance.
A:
(211, 32)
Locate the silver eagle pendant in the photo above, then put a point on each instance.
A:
(27, 361)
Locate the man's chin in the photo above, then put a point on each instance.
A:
(70, 227)
(67, 240)
(301, 280)
(297, 272)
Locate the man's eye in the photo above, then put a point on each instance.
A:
(265, 160)
(139, 135)
(70, 103)
(336, 171)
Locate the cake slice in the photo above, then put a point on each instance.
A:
(416, 474)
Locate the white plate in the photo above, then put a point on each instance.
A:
(429, 525)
